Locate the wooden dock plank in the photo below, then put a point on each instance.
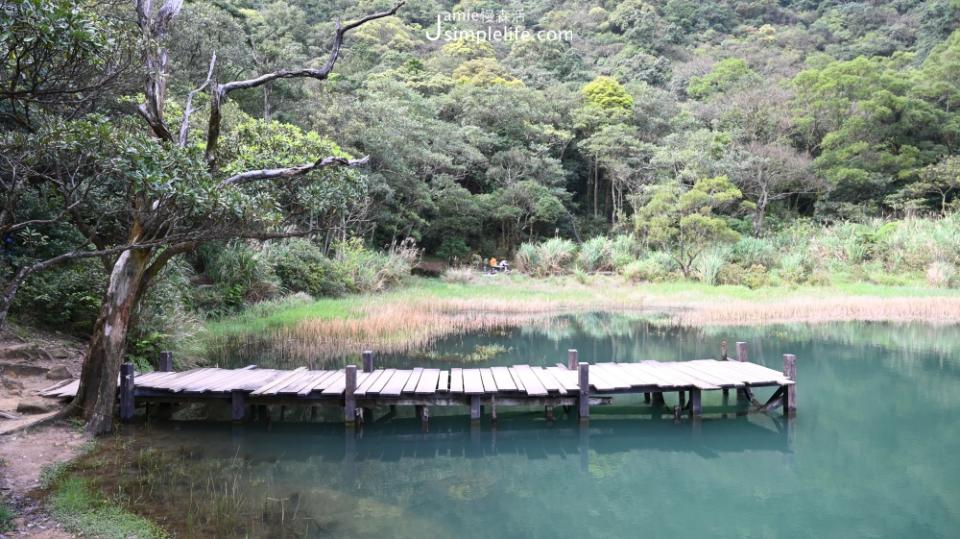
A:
(294, 384)
(376, 387)
(317, 383)
(263, 376)
(179, 384)
(396, 384)
(428, 382)
(701, 381)
(566, 377)
(456, 380)
(531, 383)
(759, 373)
(731, 377)
(443, 384)
(233, 382)
(547, 380)
(673, 378)
(647, 375)
(615, 374)
(272, 387)
(599, 380)
(516, 380)
(501, 377)
(472, 383)
(413, 380)
(334, 385)
(489, 383)
(368, 382)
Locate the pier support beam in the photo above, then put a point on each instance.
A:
(423, 413)
(790, 392)
(584, 383)
(681, 399)
(548, 413)
(127, 403)
(658, 398)
(475, 409)
(695, 408)
(349, 400)
(238, 405)
(742, 355)
(366, 358)
(573, 359)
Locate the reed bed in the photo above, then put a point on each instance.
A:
(395, 327)
(935, 310)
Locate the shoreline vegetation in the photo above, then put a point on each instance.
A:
(300, 329)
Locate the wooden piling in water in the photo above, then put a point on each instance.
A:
(695, 408)
(790, 392)
(584, 395)
(573, 359)
(367, 359)
(475, 409)
(238, 405)
(742, 356)
(349, 400)
(681, 399)
(548, 413)
(127, 403)
(723, 350)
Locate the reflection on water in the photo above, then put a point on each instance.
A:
(872, 452)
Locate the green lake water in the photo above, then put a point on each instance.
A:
(873, 452)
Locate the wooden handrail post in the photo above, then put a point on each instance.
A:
(723, 350)
(165, 362)
(367, 357)
(584, 383)
(127, 403)
(238, 405)
(790, 392)
(349, 400)
(573, 358)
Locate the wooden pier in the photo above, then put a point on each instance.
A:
(577, 385)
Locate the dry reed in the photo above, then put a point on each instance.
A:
(937, 310)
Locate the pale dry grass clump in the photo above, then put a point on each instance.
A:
(930, 309)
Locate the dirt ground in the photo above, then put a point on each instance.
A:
(28, 364)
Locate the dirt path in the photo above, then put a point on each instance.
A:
(23, 458)
(29, 362)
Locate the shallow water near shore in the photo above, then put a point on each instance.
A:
(871, 453)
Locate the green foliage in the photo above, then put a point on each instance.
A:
(551, 257)
(6, 517)
(726, 75)
(301, 266)
(596, 254)
(66, 298)
(686, 222)
(607, 93)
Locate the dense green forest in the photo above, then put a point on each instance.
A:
(165, 163)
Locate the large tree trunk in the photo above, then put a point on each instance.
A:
(101, 365)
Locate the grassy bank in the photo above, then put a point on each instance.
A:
(305, 330)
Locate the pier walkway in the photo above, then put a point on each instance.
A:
(576, 384)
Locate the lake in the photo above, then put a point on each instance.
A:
(872, 452)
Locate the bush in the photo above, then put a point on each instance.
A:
(941, 274)
(794, 268)
(596, 254)
(458, 275)
(65, 298)
(453, 249)
(371, 271)
(237, 274)
(527, 259)
(709, 265)
(749, 251)
(754, 276)
(624, 249)
(556, 256)
(164, 320)
(655, 267)
(301, 266)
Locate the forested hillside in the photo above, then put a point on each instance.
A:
(831, 110)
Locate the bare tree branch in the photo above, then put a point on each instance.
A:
(290, 172)
(188, 106)
(154, 30)
(220, 91)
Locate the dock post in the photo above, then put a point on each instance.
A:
(548, 413)
(790, 392)
(493, 409)
(474, 409)
(695, 408)
(238, 405)
(573, 358)
(349, 400)
(423, 412)
(646, 397)
(165, 362)
(681, 399)
(742, 355)
(658, 398)
(127, 403)
(584, 383)
(367, 360)
(723, 350)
